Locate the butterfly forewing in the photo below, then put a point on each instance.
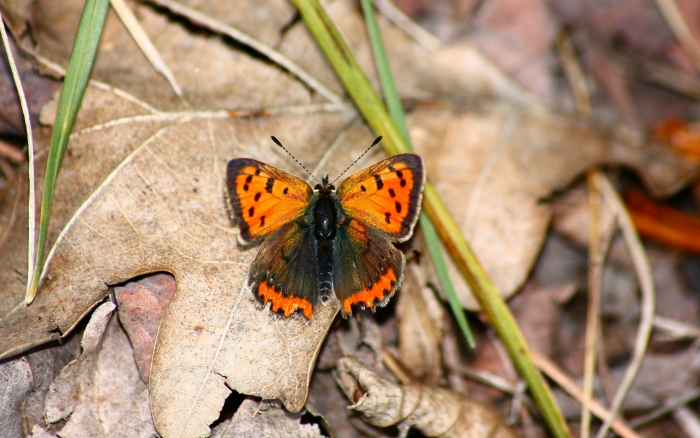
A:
(263, 198)
(386, 196)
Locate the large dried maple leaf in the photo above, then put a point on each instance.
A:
(141, 191)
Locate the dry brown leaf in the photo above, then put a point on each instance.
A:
(540, 327)
(101, 392)
(15, 384)
(46, 364)
(13, 214)
(506, 160)
(40, 432)
(141, 306)
(324, 401)
(420, 328)
(434, 411)
(253, 420)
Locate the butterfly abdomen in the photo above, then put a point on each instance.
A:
(325, 269)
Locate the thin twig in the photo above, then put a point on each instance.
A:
(595, 279)
(213, 25)
(675, 20)
(30, 147)
(408, 26)
(574, 74)
(484, 377)
(646, 282)
(14, 154)
(677, 330)
(567, 384)
(144, 43)
(603, 369)
(687, 420)
(668, 406)
(395, 367)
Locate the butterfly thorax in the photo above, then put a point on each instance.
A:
(325, 213)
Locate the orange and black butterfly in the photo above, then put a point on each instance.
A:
(322, 241)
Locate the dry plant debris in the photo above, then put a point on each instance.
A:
(434, 411)
(140, 211)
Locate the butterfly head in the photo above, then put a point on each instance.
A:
(324, 188)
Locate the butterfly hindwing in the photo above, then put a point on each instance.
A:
(386, 196)
(285, 270)
(369, 269)
(263, 198)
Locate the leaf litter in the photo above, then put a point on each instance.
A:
(141, 191)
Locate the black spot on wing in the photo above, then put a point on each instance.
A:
(262, 224)
(286, 190)
(379, 182)
(251, 211)
(268, 185)
(387, 217)
(257, 196)
(392, 193)
(398, 207)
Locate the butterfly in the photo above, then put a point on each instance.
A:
(324, 241)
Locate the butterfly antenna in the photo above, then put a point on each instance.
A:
(277, 142)
(374, 143)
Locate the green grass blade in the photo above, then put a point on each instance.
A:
(371, 107)
(393, 103)
(77, 75)
(433, 242)
(386, 78)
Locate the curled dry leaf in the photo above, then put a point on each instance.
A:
(434, 411)
(46, 364)
(253, 420)
(101, 392)
(63, 391)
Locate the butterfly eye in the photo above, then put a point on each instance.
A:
(317, 188)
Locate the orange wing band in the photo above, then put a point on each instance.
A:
(288, 305)
(378, 291)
